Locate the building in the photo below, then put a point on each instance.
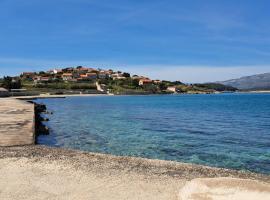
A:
(67, 76)
(92, 70)
(88, 76)
(41, 79)
(28, 75)
(157, 81)
(44, 79)
(91, 75)
(172, 89)
(68, 70)
(145, 82)
(55, 71)
(82, 70)
(110, 71)
(103, 75)
(117, 76)
(36, 79)
(136, 77)
(4, 92)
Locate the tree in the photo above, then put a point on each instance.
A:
(150, 88)
(10, 83)
(135, 82)
(177, 83)
(42, 73)
(162, 86)
(7, 82)
(215, 86)
(127, 75)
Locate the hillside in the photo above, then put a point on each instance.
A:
(85, 80)
(255, 82)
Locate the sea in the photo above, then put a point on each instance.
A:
(220, 130)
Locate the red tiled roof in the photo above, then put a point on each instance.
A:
(146, 80)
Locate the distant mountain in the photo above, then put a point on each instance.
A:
(255, 82)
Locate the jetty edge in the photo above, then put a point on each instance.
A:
(20, 122)
(17, 122)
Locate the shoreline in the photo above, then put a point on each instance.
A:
(158, 167)
(97, 95)
(43, 172)
(55, 96)
(259, 91)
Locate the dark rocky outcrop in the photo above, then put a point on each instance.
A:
(40, 128)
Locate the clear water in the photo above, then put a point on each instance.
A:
(228, 130)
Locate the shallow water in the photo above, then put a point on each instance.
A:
(226, 130)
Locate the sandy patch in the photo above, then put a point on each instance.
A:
(27, 179)
(224, 189)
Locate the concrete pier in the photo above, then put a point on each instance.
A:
(16, 122)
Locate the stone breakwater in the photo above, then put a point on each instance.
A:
(17, 122)
(21, 122)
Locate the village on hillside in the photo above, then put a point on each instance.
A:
(85, 80)
(81, 74)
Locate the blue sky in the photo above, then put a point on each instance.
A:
(188, 40)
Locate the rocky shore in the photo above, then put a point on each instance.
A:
(40, 128)
(53, 173)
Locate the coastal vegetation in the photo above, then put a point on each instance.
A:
(90, 80)
(11, 83)
(215, 86)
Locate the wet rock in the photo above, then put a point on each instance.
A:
(40, 128)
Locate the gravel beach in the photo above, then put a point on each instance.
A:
(39, 172)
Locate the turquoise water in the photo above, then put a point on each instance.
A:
(227, 130)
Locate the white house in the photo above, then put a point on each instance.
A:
(117, 75)
(55, 71)
(172, 89)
